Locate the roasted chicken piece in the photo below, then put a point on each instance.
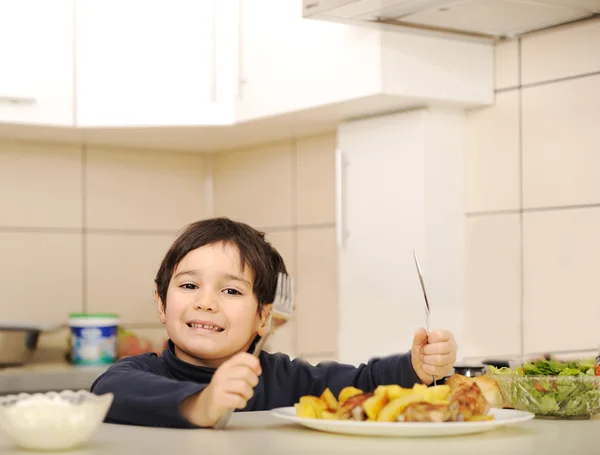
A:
(470, 400)
(488, 387)
(429, 412)
(352, 407)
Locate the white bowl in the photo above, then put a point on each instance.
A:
(54, 420)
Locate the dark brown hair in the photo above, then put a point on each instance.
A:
(254, 252)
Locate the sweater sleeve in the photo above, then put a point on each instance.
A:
(143, 394)
(312, 380)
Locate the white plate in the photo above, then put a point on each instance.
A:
(406, 429)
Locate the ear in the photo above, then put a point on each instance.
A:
(161, 308)
(264, 318)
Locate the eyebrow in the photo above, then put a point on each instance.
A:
(228, 276)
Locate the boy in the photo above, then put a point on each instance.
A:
(214, 290)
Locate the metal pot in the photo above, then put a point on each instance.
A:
(18, 341)
(469, 370)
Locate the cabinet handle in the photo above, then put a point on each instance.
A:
(213, 53)
(339, 197)
(5, 99)
(240, 68)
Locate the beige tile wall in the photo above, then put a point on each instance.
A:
(534, 198)
(287, 190)
(84, 229)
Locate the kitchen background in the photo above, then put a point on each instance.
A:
(83, 226)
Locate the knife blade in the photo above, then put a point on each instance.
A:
(427, 307)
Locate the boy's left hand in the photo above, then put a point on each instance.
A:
(433, 356)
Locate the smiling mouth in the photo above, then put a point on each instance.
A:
(214, 328)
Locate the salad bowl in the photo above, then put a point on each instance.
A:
(551, 388)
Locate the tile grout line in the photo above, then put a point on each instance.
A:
(507, 89)
(136, 232)
(521, 243)
(294, 219)
(493, 212)
(561, 208)
(521, 86)
(43, 229)
(557, 208)
(84, 243)
(81, 230)
(125, 231)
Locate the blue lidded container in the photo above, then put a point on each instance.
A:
(93, 338)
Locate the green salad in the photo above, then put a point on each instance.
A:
(551, 387)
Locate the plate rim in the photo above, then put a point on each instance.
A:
(523, 416)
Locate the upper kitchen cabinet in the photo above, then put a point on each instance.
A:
(155, 63)
(36, 69)
(288, 63)
(291, 64)
(256, 66)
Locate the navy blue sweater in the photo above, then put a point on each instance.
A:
(149, 389)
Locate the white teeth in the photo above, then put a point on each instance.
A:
(210, 327)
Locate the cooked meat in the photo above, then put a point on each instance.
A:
(488, 386)
(457, 380)
(427, 412)
(358, 413)
(470, 400)
(490, 391)
(347, 410)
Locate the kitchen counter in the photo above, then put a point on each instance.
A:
(259, 433)
(46, 377)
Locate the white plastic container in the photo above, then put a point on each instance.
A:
(93, 338)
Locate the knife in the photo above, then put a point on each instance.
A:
(427, 308)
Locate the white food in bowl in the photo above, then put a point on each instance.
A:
(54, 420)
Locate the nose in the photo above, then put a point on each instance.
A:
(206, 301)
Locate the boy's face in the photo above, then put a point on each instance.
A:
(209, 288)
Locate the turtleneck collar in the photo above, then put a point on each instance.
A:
(183, 370)
(186, 371)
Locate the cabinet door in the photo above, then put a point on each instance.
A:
(288, 63)
(148, 62)
(402, 189)
(36, 62)
(382, 218)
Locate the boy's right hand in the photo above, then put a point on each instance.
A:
(232, 386)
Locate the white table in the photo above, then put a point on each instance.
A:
(259, 433)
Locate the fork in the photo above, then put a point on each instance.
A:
(427, 308)
(282, 310)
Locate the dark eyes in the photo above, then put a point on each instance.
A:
(228, 291)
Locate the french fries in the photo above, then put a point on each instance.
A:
(329, 399)
(386, 403)
(310, 407)
(347, 393)
(373, 405)
(393, 409)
